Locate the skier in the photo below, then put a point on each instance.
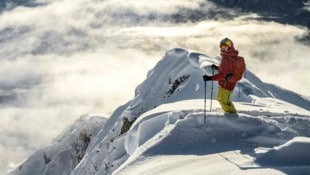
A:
(230, 71)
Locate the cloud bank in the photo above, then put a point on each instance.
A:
(62, 59)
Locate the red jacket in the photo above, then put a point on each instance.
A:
(226, 67)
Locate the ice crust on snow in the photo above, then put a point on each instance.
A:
(168, 106)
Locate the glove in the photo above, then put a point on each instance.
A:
(215, 67)
(229, 76)
(207, 78)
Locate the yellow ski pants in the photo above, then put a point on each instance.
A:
(223, 96)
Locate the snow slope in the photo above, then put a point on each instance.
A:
(270, 135)
(66, 150)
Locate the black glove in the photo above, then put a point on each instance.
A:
(207, 78)
(228, 77)
(215, 67)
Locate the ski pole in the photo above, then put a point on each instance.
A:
(205, 104)
(211, 91)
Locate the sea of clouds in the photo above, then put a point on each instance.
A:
(61, 59)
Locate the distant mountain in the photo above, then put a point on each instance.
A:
(10, 4)
(292, 12)
(271, 129)
(282, 11)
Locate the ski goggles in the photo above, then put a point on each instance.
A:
(224, 47)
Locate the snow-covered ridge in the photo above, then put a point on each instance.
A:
(169, 108)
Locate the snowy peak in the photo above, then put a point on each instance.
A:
(169, 108)
(178, 76)
(159, 106)
(172, 79)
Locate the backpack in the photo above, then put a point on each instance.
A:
(239, 68)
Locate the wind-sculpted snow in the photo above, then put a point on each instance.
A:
(292, 153)
(168, 107)
(182, 132)
(258, 125)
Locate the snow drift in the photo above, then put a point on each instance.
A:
(169, 135)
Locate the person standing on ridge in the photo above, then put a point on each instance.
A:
(230, 71)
